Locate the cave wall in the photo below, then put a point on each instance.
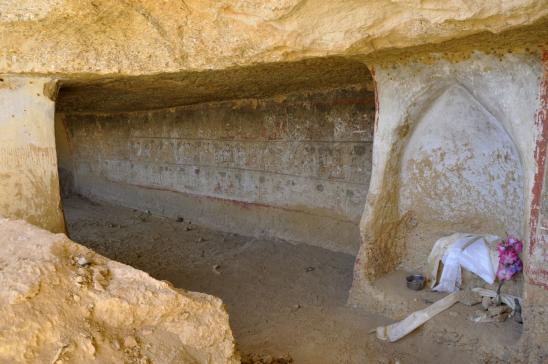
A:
(147, 37)
(536, 269)
(506, 89)
(459, 168)
(295, 167)
(29, 188)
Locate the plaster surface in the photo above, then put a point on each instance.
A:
(460, 167)
(29, 186)
(507, 89)
(295, 166)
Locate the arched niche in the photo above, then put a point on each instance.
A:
(460, 172)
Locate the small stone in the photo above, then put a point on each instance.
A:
(470, 298)
(180, 219)
(296, 308)
(188, 228)
(216, 268)
(79, 279)
(498, 310)
(76, 298)
(309, 269)
(130, 342)
(116, 345)
(88, 346)
(486, 302)
(285, 359)
(82, 261)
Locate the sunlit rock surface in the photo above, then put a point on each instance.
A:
(141, 36)
(61, 302)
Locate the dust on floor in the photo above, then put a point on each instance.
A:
(284, 300)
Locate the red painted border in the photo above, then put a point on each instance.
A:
(539, 276)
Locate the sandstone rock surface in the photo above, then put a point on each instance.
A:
(142, 36)
(62, 303)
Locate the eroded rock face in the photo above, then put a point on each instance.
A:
(141, 36)
(62, 303)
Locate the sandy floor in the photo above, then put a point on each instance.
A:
(283, 299)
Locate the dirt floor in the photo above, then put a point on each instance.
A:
(284, 300)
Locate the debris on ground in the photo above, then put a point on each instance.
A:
(493, 314)
(400, 329)
(265, 359)
(496, 307)
(507, 299)
(470, 298)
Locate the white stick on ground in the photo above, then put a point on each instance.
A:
(400, 329)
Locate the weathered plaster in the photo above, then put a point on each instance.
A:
(458, 167)
(507, 89)
(538, 227)
(29, 186)
(535, 289)
(295, 166)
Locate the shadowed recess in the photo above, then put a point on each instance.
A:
(135, 93)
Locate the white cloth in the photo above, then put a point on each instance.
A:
(470, 251)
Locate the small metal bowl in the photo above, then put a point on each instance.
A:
(415, 282)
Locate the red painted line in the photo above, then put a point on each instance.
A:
(541, 123)
(239, 203)
(533, 277)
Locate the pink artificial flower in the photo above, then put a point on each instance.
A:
(518, 246)
(508, 257)
(510, 263)
(511, 240)
(503, 273)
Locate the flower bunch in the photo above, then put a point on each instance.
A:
(509, 261)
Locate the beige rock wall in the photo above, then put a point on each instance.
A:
(141, 36)
(398, 229)
(62, 303)
(29, 187)
(294, 167)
